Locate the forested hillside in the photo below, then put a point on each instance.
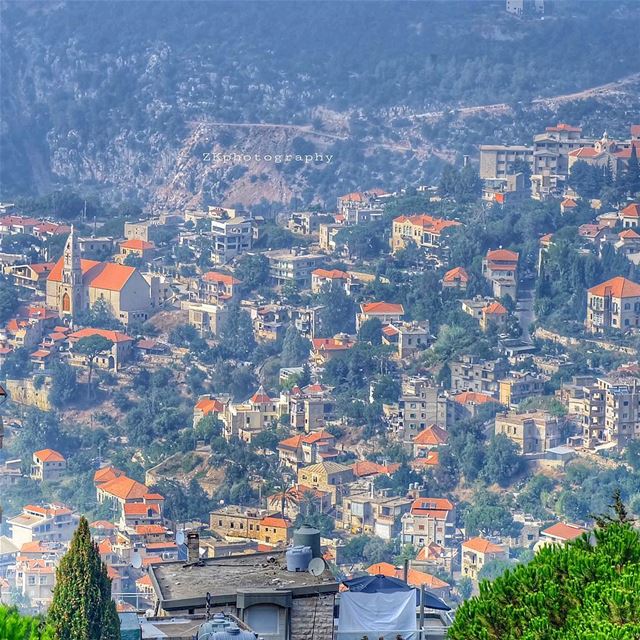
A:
(129, 97)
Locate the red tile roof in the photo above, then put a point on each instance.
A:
(106, 474)
(260, 397)
(428, 223)
(564, 531)
(617, 287)
(217, 276)
(333, 274)
(435, 507)
(49, 455)
(631, 211)
(414, 578)
(432, 459)
(628, 234)
(494, 309)
(140, 509)
(149, 529)
(99, 275)
(482, 546)
(502, 255)
(125, 488)
(561, 126)
(276, 521)
(433, 435)
(382, 308)
(569, 203)
(137, 245)
(114, 336)
(209, 405)
(290, 443)
(457, 273)
(331, 344)
(473, 397)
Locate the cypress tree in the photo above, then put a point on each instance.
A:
(82, 608)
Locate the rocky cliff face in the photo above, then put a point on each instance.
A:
(135, 100)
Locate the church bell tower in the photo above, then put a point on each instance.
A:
(71, 290)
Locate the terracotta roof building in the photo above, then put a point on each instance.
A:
(614, 304)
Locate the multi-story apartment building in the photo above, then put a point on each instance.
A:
(231, 238)
(500, 268)
(52, 522)
(312, 448)
(496, 160)
(471, 373)
(245, 420)
(47, 465)
(518, 386)
(423, 230)
(534, 432)
(429, 520)
(421, 404)
(310, 408)
(250, 523)
(206, 318)
(293, 266)
(614, 304)
(365, 512)
(330, 476)
(327, 236)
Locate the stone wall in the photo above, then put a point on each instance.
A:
(312, 618)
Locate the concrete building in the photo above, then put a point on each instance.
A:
(496, 160)
(257, 588)
(52, 522)
(232, 522)
(246, 419)
(331, 477)
(518, 386)
(312, 448)
(47, 465)
(293, 266)
(613, 305)
(214, 287)
(534, 432)
(408, 338)
(310, 408)
(386, 312)
(370, 514)
(206, 318)
(471, 373)
(120, 353)
(429, 520)
(231, 238)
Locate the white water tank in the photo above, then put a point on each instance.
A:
(298, 558)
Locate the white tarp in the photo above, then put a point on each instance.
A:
(377, 615)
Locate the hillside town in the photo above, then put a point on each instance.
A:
(255, 409)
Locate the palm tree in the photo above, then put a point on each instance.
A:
(284, 498)
(310, 502)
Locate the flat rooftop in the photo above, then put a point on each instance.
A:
(180, 586)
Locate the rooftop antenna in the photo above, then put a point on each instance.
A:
(84, 211)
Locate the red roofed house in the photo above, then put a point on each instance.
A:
(207, 406)
(456, 278)
(120, 352)
(614, 304)
(311, 448)
(137, 248)
(561, 532)
(500, 267)
(415, 578)
(137, 513)
(74, 285)
(630, 216)
(325, 277)
(628, 242)
(325, 349)
(477, 552)
(493, 314)
(250, 523)
(423, 230)
(215, 287)
(245, 420)
(51, 522)
(430, 438)
(122, 490)
(30, 276)
(430, 520)
(568, 205)
(386, 312)
(47, 465)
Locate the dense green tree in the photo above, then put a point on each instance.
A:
(295, 348)
(338, 312)
(91, 347)
(9, 300)
(14, 626)
(489, 514)
(253, 271)
(64, 386)
(465, 587)
(502, 460)
(567, 592)
(370, 332)
(236, 333)
(82, 608)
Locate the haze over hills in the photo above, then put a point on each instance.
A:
(130, 98)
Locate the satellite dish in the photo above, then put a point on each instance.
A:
(180, 537)
(136, 560)
(317, 567)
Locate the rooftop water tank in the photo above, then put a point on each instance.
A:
(219, 622)
(233, 632)
(307, 536)
(298, 558)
